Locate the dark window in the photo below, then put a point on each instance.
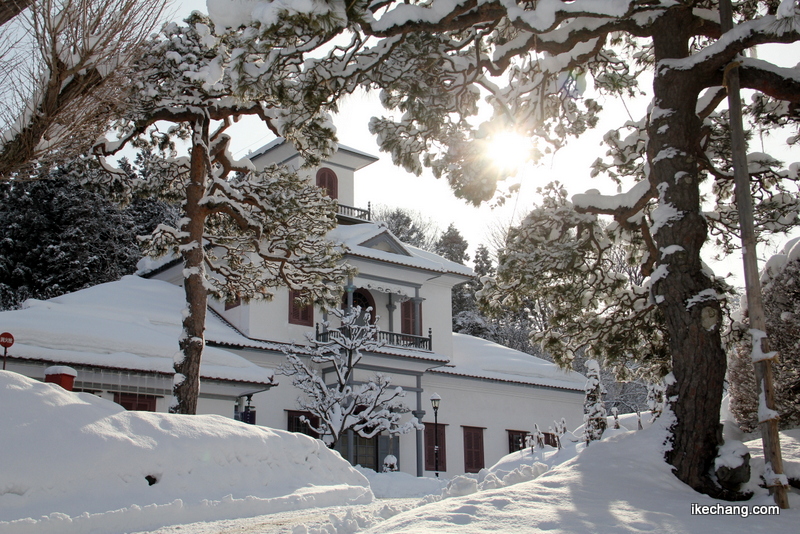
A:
(516, 440)
(135, 402)
(299, 313)
(363, 299)
(229, 304)
(365, 451)
(430, 458)
(297, 425)
(473, 449)
(326, 179)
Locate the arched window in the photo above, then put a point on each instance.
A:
(363, 299)
(327, 180)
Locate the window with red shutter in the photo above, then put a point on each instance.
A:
(327, 180)
(135, 402)
(300, 314)
(407, 317)
(473, 449)
(430, 458)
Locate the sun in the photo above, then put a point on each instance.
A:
(509, 150)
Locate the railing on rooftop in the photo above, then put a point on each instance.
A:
(356, 213)
(392, 339)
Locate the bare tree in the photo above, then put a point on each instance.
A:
(65, 64)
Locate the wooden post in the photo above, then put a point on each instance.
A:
(755, 306)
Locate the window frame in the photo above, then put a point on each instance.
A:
(514, 442)
(301, 428)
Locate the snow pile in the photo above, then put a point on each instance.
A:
(72, 462)
(620, 484)
(399, 485)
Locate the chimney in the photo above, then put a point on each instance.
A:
(62, 375)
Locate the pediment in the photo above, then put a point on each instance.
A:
(386, 243)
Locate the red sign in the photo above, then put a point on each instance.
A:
(6, 340)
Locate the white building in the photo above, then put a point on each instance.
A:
(119, 336)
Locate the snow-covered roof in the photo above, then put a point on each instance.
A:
(479, 358)
(280, 141)
(362, 240)
(131, 324)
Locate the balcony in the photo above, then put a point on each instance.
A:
(356, 214)
(390, 339)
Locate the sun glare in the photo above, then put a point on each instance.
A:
(509, 150)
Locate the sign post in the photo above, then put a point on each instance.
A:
(6, 340)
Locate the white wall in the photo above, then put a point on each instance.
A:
(497, 407)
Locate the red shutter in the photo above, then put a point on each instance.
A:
(327, 180)
(407, 317)
(473, 449)
(301, 314)
(430, 459)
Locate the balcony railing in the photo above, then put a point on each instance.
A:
(392, 339)
(356, 213)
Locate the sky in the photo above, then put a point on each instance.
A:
(382, 183)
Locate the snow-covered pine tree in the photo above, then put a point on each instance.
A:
(781, 291)
(451, 245)
(742, 391)
(56, 237)
(242, 233)
(594, 410)
(325, 373)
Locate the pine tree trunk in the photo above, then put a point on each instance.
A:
(186, 387)
(697, 356)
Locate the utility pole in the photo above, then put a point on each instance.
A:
(755, 305)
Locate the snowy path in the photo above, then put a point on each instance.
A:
(330, 520)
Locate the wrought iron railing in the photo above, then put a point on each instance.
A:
(356, 213)
(392, 339)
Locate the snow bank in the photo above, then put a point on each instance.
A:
(399, 485)
(618, 485)
(72, 462)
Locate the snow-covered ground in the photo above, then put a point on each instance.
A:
(76, 463)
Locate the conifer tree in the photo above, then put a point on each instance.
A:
(594, 411)
(242, 232)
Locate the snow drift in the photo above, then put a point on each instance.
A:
(72, 457)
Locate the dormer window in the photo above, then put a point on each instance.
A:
(327, 180)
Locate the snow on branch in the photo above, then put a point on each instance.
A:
(333, 388)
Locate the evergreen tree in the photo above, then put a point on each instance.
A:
(451, 245)
(242, 233)
(594, 411)
(781, 289)
(56, 237)
(409, 227)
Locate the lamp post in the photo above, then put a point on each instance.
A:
(435, 400)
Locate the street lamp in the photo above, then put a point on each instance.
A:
(435, 400)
